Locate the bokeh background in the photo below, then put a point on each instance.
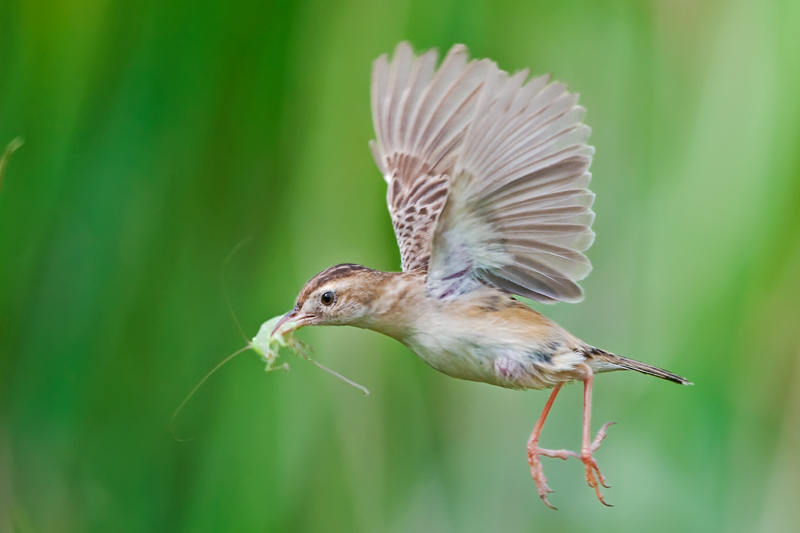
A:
(160, 134)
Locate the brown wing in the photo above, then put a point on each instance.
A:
(421, 115)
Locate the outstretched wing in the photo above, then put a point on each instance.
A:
(421, 115)
(518, 214)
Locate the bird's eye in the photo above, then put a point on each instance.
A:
(327, 298)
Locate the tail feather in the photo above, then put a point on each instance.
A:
(609, 359)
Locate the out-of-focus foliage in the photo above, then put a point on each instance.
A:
(162, 133)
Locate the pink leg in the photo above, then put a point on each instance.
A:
(534, 451)
(588, 448)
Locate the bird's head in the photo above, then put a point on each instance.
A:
(341, 295)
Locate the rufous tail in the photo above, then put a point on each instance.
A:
(632, 364)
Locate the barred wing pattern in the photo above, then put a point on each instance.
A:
(421, 115)
(487, 175)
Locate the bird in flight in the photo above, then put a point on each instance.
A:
(487, 178)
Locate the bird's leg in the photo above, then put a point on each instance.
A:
(589, 447)
(534, 451)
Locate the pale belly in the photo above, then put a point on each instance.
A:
(508, 358)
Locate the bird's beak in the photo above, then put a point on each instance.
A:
(291, 321)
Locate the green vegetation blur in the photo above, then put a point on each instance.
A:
(160, 134)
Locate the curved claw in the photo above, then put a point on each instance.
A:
(591, 469)
(547, 503)
(537, 472)
(591, 465)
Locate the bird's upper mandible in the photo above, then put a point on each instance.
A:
(487, 174)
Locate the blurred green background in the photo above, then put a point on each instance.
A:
(162, 133)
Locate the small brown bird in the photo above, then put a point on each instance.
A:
(487, 188)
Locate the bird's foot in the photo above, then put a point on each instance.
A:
(593, 475)
(537, 472)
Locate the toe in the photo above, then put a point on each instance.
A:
(600, 436)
